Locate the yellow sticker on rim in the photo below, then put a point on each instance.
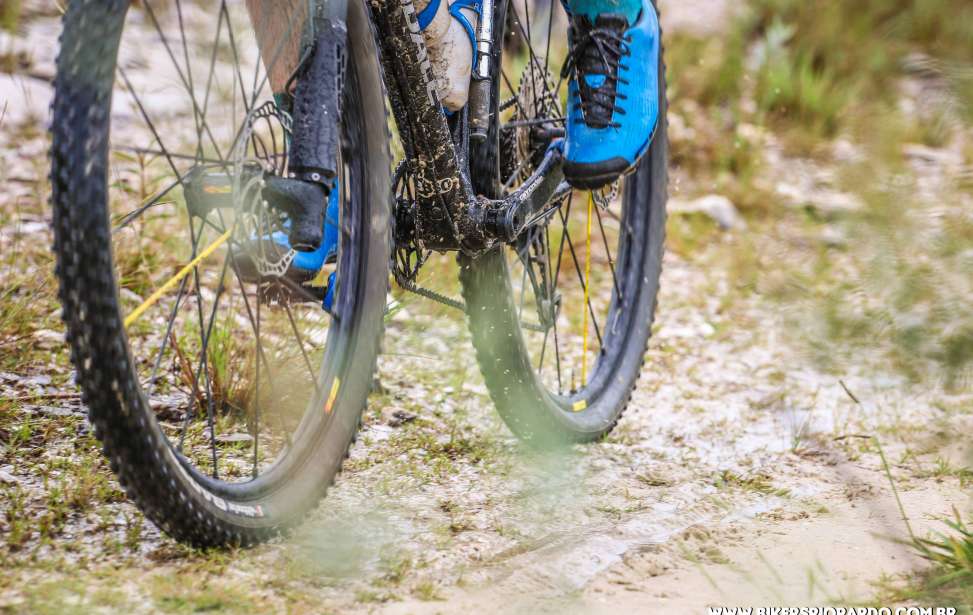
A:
(332, 395)
(580, 405)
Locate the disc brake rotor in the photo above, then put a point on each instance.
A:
(262, 143)
(527, 135)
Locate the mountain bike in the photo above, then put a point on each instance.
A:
(226, 404)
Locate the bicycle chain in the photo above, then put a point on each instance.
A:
(603, 197)
(434, 296)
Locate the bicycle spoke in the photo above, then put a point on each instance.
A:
(189, 70)
(149, 123)
(611, 261)
(261, 355)
(174, 156)
(256, 406)
(154, 200)
(533, 122)
(560, 250)
(194, 240)
(197, 112)
(523, 290)
(535, 63)
(165, 338)
(515, 92)
(236, 55)
(209, 78)
(547, 50)
(557, 359)
(206, 373)
(300, 343)
(171, 321)
(577, 268)
(259, 344)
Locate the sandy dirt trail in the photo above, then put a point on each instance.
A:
(740, 474)
(731, 480)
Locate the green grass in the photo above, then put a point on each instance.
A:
(814, 65)
(951, 551)
(10, 11)
(758, 483)
(949, 580)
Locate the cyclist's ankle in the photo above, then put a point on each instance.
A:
(591, 9)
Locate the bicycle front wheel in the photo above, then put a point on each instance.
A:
(225, 401)
(561, 317)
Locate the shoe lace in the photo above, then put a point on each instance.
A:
(598, 50)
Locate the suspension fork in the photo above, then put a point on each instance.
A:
(312, 92)
(318, 94)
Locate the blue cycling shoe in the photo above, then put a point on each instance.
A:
(613, 95)
(265, 258)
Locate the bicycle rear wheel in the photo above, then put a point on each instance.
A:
(561, 318)
(226, 403)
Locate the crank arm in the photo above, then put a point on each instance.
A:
(507, 218)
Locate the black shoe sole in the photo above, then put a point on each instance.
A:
(594, 175)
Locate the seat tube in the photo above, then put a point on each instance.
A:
(480, 87)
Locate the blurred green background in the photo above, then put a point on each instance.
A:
(877, 97)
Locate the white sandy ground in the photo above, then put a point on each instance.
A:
(642, 522)
(707, 405)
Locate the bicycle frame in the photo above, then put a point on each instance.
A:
(447, 213)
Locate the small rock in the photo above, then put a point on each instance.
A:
(716, 206)
(824, 200)
(47, 338)
(600, 463)
(56, 411)
(129, 295)
(24, 99)
(30, 227)
(379, 433)
(933, 155)
(8, 478)
(833, 237)
(833, 202)
(39, 380)
(847, 152)
(401, 417)
(234, 438)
